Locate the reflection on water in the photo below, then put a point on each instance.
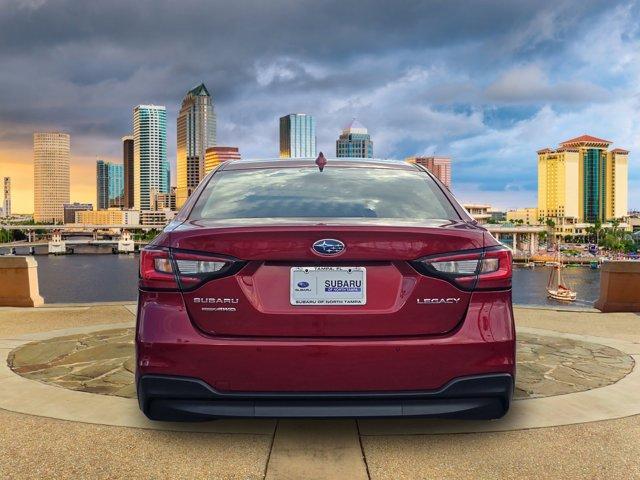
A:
(101, 278)
(530, 286)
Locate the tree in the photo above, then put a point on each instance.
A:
(5, 236)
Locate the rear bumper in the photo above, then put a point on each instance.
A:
(169, 398)
(324, 377)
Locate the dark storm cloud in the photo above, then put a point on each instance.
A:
(420, 74)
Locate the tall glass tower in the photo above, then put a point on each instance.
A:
(297, 136)
(102, 185)
(150, 166)
(196, 131)
(109, 185)
(354, 142)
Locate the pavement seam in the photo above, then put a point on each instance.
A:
(273, 439)
(364, 455)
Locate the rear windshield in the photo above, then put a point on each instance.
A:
(333, 193)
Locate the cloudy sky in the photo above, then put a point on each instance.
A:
(486, 82)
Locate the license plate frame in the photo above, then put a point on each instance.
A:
(345, 290)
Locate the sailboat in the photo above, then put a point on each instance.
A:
(556, 287)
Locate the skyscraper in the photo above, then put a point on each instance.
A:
(214, 156)
(109, 185)
(127, 162)
(150, 165)
(116, 185)
(297, 136)
(70, 210)
(354, 142)
(7, 197)
(51, 158)
(581, 181)
(439, 166)
(196, 131)
(102, 185)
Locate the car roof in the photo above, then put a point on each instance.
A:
(267, 163)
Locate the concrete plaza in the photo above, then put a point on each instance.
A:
(66, 411)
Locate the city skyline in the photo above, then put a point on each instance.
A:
(196, 131)
(418, 95)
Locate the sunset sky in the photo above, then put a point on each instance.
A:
(486, 82)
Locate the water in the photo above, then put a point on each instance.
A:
(102, 278)
(530, 286)
(88, 278)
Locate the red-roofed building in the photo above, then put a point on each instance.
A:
(581, 181)
(586, 140)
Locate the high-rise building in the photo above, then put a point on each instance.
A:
(581, 181)
(127, 162)
(102, 185)
(196, 131)
(165, 201)
(7, 197)
(109, 185)
(150, 165)
(116, 185)
(297, 136)
(51, 159)
(70, 210)
(214, 156)
(439, 166)
(354, 142)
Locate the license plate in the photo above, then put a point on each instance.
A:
(328, 286)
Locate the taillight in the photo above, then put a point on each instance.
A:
(489, 269)
(496, 269)
(170, 269)
(196, 268)
(156, 269)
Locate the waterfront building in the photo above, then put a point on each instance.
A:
(354, 142)
(165, 201)
(70, 210)
(528, 216)
(438, 166)
(582, 182)
(297, 136)
(127, 164)
(480, 212)
(214, 156)
(196, 131)
(150, 165)
(111, 216)
(109, 185)
(51, 162)
(156, 218)
(6, 187)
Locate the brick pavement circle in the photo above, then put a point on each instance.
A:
(102, 362)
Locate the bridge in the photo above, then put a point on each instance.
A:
(122, 243)
(523, 237)
(81, 227)
(76, 229)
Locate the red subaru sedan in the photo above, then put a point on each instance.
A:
(339, 288)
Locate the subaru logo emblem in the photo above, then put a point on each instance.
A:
(303, 284)
(328, 246)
